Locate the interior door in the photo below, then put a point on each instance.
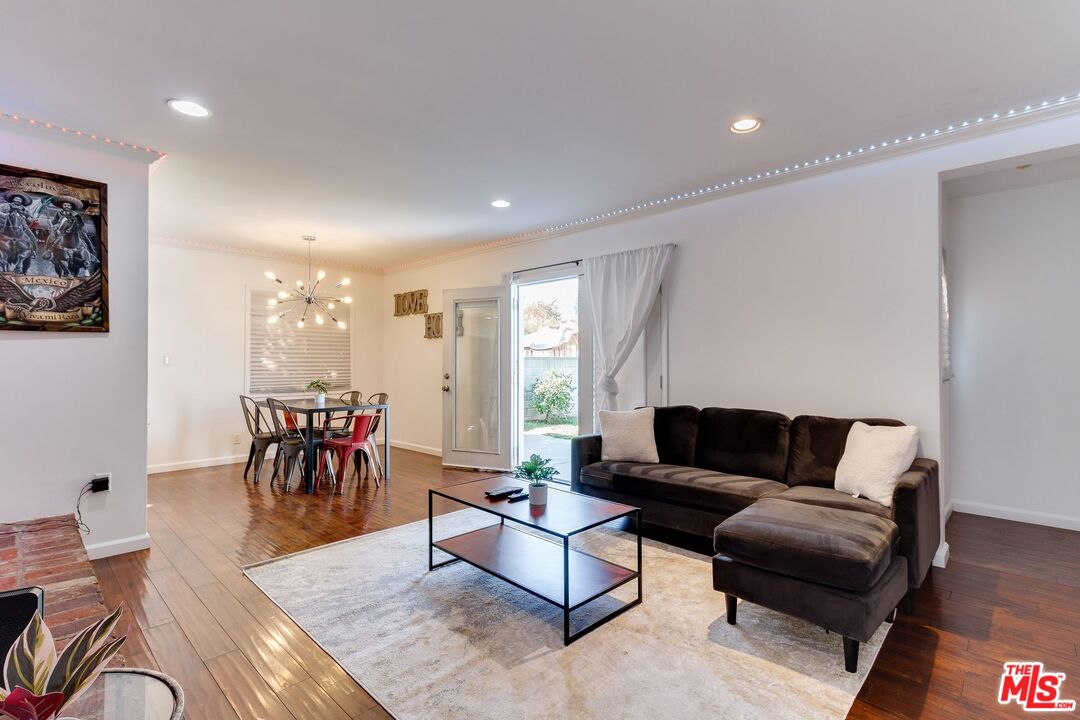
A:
(476, 378)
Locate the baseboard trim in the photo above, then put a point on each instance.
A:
(233, 459)
(941, 557)
(193, 464)
(426, 449)
(96, 551)
(948, 512)
(1016, 514)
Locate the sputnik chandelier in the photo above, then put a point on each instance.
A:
(305, 297)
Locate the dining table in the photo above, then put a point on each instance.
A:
(311, 409)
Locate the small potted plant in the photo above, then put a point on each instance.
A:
(321, 388)
(537, 471)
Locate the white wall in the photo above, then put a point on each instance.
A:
(75, 405)
(813, 296)
(1013, 259)
(197, 317)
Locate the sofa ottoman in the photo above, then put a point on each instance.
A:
(835, 567)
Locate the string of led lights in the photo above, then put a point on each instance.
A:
(13, 117)
(803, 165)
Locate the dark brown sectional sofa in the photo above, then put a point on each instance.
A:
(760, 486)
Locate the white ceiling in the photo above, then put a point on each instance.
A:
(386, 128)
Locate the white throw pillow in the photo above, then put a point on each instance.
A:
(628, 435)
(874, 459)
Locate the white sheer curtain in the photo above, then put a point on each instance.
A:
(946, 323)
(621, 289)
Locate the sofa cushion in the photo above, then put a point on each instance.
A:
(676, 430)
(743, 442)
(599, 475)
(827, 497)
(829, 546)
(722, 493)
(817, 444)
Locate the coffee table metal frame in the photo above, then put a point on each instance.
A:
(565, 605)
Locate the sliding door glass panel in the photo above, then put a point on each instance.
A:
(476, 364)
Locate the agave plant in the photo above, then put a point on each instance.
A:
(38, 683)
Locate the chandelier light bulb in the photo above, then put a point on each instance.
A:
(272, 302)
(345, 281)
(300, 324)
(330, 306)
(282, 295)
(300, 284)
(320, 275)
(341, 324)
(318, 319)
(347, 299)
(272, 319)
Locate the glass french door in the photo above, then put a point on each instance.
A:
(476, 378)
(552, 364)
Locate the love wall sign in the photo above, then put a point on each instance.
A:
(415, 302)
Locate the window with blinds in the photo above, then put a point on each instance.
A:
(283, 359)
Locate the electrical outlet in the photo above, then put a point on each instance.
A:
(236, 439)
(102, 482)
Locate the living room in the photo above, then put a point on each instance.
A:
(759, 310)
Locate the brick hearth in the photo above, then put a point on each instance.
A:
(49, 552)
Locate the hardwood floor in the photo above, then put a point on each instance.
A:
(1011, 592)
(193, 614)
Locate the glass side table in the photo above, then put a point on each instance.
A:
(129, 694)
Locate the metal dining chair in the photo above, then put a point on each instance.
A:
(349, 397)
(372, 454)
(262, 435)
(291, 438)
(354, 446)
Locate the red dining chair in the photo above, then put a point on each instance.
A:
(346, 447)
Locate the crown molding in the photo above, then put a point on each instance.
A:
(989, 124)
(222, 249)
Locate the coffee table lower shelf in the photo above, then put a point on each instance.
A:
(551, 571)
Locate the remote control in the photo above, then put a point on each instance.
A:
(519, 496)
(502, 492)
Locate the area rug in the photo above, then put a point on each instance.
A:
(458, 643)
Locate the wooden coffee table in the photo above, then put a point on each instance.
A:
(547, 568)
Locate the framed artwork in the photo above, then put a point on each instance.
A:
(54, 252)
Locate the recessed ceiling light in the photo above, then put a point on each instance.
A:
(500, 203)
(746, 125)
(189, 107)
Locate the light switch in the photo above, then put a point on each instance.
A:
(166, 360)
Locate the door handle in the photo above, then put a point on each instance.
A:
(446, 388)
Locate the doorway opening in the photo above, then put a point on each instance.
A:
(553, 392)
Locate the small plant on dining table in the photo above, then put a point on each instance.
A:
(319, 386)
(536, 470)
